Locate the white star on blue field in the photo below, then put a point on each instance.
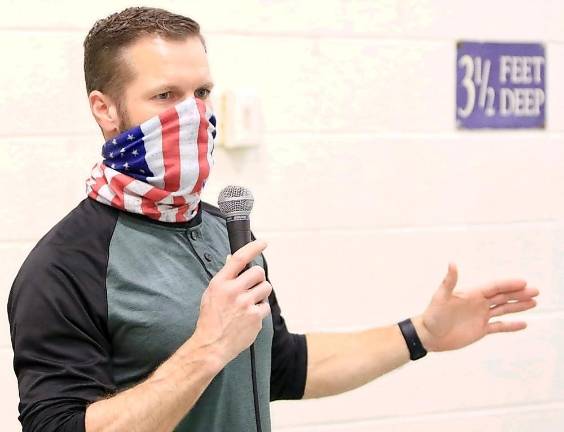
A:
(126, 153)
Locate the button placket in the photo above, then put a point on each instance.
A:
(199, 247)
(192, 237)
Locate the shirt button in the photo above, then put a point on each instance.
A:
(193, 235)
(207, 256)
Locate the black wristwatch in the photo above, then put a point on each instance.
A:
(416, 349)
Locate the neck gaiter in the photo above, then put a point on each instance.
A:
(159, 168)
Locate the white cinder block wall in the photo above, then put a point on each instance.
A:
(364, 188)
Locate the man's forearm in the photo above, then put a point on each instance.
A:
(158, 403)
(339, 362)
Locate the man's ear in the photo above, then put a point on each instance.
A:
(104, 112)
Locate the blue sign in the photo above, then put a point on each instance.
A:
(500, 85)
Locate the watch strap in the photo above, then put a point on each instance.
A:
(416, 349)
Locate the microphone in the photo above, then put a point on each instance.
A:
(236, 203)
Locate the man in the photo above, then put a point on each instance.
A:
(127, 316)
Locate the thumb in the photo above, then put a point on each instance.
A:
(449, 282)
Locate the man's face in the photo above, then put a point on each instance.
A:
(165, 72)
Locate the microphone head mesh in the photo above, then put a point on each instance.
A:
(235, 201)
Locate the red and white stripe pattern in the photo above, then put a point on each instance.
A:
(178, 150)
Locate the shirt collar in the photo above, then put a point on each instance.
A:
(195, 221)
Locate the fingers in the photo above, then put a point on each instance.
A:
(449, 282)
(251, 277)
(504, 286)
(501, 326)
(241, 258)
(520, 295)
(512, 307)
(257, 294)
(262, 308)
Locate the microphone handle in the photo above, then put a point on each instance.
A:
(239, 231)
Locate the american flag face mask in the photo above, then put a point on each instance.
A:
(160, 167)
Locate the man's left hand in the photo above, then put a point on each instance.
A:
(453, 319)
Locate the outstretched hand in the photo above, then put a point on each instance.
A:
(454, 319)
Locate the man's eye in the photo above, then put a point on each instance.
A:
(160, 94)
(202, 93)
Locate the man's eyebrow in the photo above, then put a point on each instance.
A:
(165, 86)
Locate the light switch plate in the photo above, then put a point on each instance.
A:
(239, 117)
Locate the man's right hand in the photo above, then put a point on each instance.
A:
(234, 305)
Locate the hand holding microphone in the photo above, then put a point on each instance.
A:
(236, 300)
